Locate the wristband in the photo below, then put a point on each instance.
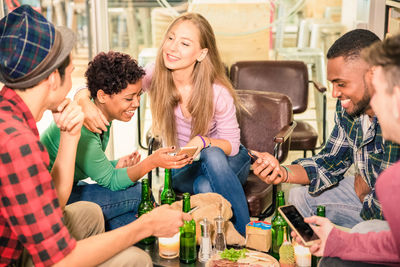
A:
(287, 173)
(202, 139)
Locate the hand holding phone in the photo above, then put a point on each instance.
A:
(297, 223)
(188, 150)
(253, 157)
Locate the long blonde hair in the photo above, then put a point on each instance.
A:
(164, 96)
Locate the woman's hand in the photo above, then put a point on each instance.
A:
(322, 227)
(198, 142)
(95, 120)
(163, 158)
(69, 117)
(128, 160)
(267, 168)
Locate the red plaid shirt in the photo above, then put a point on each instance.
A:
(30, 214)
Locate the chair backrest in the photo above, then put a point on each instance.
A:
(285, 77)
(263, 116)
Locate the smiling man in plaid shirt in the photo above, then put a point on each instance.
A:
(36, 226)
(355, 140)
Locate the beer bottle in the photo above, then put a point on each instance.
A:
(145, 206)
(167, 195)
(315, 259)
(187, 249)
(279, 227)
(321, 211)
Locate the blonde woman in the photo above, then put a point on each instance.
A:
(194, 104)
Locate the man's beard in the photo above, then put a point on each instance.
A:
(363, 105)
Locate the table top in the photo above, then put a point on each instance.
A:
(158, 261)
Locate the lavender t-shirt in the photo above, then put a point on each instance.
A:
(224, 124)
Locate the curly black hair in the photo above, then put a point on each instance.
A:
(112, 72)
(351, 43)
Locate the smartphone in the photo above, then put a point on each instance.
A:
(297, 223)
(253, 157)
(188, 150)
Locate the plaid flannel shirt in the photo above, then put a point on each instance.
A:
(30, 214)
(347, 145)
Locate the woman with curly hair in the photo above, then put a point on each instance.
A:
(114, 81)
(194, 104)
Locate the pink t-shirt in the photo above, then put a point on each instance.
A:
(381, 247)
(224, 124)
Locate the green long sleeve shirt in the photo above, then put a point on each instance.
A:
(91, 160)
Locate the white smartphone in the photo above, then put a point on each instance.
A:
(297, 223)
(188, 150)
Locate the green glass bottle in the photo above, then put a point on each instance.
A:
(314, 259)
(167, 195)
(321, 211)
(187, 241)
(145, 206)
(279, 227)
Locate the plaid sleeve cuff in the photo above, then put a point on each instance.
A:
(319, 180)
(371, 208)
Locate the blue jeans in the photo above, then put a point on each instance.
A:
(119, 207)
(342, 205)
(216, 172)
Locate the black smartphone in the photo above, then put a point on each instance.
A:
(297, 223)
(253, 157)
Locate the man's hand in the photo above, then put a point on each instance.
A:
(322, 227)
(69, 117)
(361, 187)
(128, 160)
(165, 221)
(267, 168)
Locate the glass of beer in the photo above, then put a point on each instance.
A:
(168, 247)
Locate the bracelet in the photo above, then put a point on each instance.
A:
(202, 139)
(287, 173)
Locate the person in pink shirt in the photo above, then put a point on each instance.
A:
(193, 104)
(341, 248)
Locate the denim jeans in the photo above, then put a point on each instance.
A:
(216, 172)
(119, 207)
(342, 205)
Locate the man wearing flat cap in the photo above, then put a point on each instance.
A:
(36, 226)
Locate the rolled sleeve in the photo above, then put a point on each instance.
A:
(328, 167)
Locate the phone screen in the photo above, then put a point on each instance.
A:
(297, 221)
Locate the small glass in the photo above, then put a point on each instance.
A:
(168, 247)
